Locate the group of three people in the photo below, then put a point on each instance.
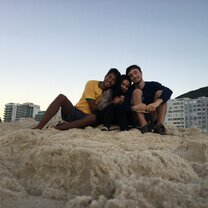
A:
(115, 99)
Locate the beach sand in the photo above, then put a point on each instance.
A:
(91, 168)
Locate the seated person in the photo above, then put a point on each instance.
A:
(83, 113)
(115, 105)
(151, 98)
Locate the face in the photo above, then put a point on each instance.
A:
(125, 85)
(135, 76)
(109, 80)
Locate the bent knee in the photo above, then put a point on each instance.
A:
(92, 118)
(158, 94)
(61, 97)
(137, 92)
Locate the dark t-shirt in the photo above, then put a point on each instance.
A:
(149, 90)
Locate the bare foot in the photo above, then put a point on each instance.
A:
(61, 126)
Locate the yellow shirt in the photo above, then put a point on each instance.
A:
(91, 92)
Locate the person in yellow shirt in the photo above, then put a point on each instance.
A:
(83, 113)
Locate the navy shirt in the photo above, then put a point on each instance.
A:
(149, 90)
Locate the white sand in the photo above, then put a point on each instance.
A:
(95, 169)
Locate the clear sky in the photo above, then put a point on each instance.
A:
(49, 47)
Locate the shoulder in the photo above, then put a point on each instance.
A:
(92, 82)
(152, 83)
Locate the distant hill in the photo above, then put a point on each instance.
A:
(194, 94)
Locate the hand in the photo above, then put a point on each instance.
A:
(140, 108)
(122, 98)
(118, 99)
(152, 107)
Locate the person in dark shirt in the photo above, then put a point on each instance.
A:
(149, 98)
(114, 107)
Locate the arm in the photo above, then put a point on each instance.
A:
(106, 99)
(141, 108)
(138, 105)
(153, 106)
(165, 92)
(118, 100)
(90, 97)
(92, 105)
(162, 95)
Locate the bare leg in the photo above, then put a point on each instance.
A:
(154, 114)
(159, 127)
(137, 100)
(60, 101)
(159, 115)
(87, 121)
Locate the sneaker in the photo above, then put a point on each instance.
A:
(105, 128)
(114, 127)
(146, 129)
(153, 125)
(160, 129)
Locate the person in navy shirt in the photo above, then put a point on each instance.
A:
(149, 98)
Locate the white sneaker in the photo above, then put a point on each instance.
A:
(104, 128)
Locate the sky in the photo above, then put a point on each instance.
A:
(48, 47)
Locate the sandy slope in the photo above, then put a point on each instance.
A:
(91, 168)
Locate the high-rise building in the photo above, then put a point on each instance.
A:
(175, 113)
(186, 112)
(39, 115)
(15, 111)
(10, 112)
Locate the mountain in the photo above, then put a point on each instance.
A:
(194, 94)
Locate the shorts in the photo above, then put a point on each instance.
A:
(74, 115)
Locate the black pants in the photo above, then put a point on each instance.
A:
(115, 114)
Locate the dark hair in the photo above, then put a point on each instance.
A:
(132, 67)
(115, 72)
(117, 89)
(123, 77)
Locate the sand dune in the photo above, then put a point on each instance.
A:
(95, 169)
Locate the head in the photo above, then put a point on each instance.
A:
(134, 72)
(111, 77)
(125, 83)
(122, 85)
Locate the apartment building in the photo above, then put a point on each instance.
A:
(39, 115)
(16, 111)
(186, 112)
